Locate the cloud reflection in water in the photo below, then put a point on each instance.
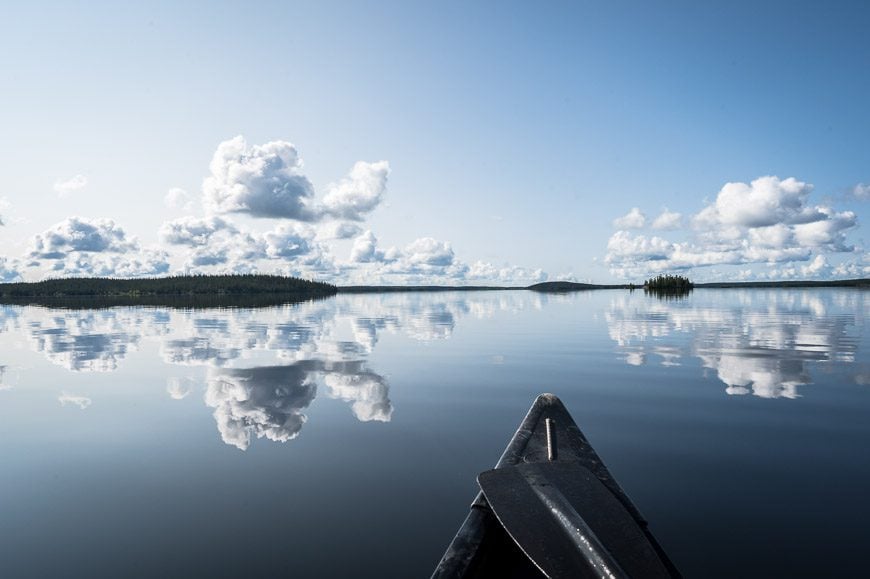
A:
(261, 368)
(760, 346)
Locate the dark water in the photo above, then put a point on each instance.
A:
(342, 437)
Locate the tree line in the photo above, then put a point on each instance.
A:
(182, 285)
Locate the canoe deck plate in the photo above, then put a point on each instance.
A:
(565, 520)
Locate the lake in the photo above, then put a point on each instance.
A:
(342, 437)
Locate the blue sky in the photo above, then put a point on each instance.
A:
(448, 142)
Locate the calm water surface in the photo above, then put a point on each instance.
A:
(342, 437)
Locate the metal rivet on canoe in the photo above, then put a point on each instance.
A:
(551, 439)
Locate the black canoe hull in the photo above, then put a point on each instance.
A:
(482, 548)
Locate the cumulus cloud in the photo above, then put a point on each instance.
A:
(10, 270)
(266, 402)
(267, 181)
(365, 250)
(193, 231)
(338, 230)
(81, 234)
(426, 259)
(177, 198)
(143, 263)
(634, 219)
(359, 193)
(260, 180)
(429, 251)
(64, 187)
(763, 202)
(367, 392)
(667, 220)
(766, 221)
(290, 242)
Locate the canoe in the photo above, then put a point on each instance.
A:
(550, 508)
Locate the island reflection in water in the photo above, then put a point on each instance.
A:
(263, 367)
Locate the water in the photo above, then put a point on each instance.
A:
(342, 437)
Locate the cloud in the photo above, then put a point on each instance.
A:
(429, 251)
(763, 344)
(177, 198)
(266, 402)
(81, 234)
(359, 193)
(4, 205)
(267, 181)
(338, 230)
(861, 191)
(290, 242)
(668, 220)
(766, 221)
(365, 250)
(80, 401)
(85, 341)
(144, 263)
(367, 392)
(65, 187)
(427, 260)
(634, 219)
(10, 270)
(763, 202)
(260, 180)
(193, 231)
(179, 388)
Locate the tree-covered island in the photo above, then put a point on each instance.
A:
(173, 286)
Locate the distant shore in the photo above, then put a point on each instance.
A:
(261, 290)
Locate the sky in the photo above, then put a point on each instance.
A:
(445, 142)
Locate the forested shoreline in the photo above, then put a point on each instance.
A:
(178, 286)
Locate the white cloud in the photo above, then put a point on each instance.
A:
(81, 234)
(64, 187)
(177, 198)
(290, 242)
(338, 230)
(178, 388)
(10, 270)
(80, 401)
(428, 260)
(365, 250)
(763, 202)
(367, 392)
(668, 220)
(359, 193)
(816, 268)
(144, 263)
(429, 251)
(261, 180)
(193, 231)
(4, 205)
(766, 221)
(634, 219)
(267, 181)
(861, 191)
(266, 402)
